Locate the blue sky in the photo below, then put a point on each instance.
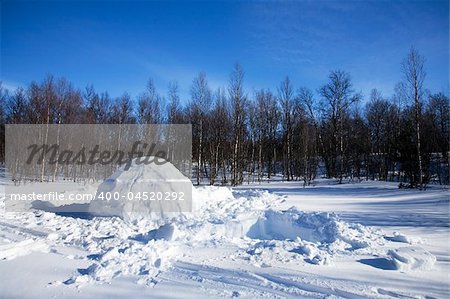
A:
(118, 45)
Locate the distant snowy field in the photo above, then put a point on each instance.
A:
(274, 240)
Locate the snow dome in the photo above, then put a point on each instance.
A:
(156, 191)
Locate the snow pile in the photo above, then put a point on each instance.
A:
(221, 215)
(144, 261)
(115, 247)
(130, 186)
(412, 258)
(314, 237)
(323, 228)
(143, 247)
(268, 253)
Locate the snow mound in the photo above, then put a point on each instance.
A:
(314, 227)
(130, 186)
(312, 237)
(223, 214)
(412, 258)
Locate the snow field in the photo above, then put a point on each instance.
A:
(239, 242)
(144, 247)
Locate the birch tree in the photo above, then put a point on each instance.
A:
(238, 101)
(200, 106)
(286, 98)
(414, 75)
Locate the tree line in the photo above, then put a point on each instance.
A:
(292, 132)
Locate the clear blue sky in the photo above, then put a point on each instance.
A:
(118, 45)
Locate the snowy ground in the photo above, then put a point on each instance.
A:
(276, 239)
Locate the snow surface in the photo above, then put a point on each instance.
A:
(276, 239)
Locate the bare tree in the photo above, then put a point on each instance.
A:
(414, 73)
(200, 106)
(175, 114)
(149, 105)
(438, 116)
(286, 98)
(218, 137)
(312, 137)
(377, 115)
(16, 107)
(238, 101)
(42, 99)
(338, 96)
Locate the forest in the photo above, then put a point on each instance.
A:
(293, 132)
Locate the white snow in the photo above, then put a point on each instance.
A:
(269, 240)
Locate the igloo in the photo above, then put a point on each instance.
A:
(152, 191)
